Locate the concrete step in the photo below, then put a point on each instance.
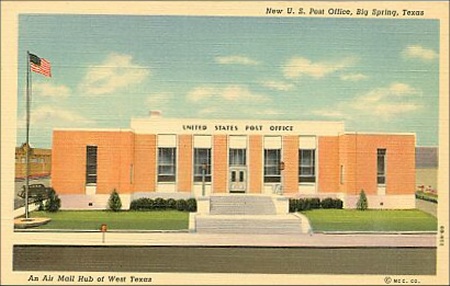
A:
(242, 205)
(271, 224)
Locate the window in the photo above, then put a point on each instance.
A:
(237, 157)
(91, 164)
(202, 157)
(381, 166)
(341, 175)
(166, 164)
(272, 158)
(307, 165)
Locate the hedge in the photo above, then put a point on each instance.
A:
(147, 204)
(424, 197)
(330, 203)
(304, 204)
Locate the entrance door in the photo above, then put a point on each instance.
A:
(238, 180)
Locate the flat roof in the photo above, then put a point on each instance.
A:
(95, 129)
(378, 133)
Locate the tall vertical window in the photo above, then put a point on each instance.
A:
(237, 157)
(91, 164)
(166, 164)
(272, 158)
(202, 158)
(307, 165)
(381, 166)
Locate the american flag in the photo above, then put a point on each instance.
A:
(40, 65)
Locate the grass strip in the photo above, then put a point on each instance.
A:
(370, 220)
(122, 220)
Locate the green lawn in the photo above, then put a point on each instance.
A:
(370, 220)
(92, 220)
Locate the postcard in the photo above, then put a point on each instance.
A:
(224, 143)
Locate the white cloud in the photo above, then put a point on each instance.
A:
(240, 112)
(49, 116)
(159, 99)
(387, 102)
(278, 85)
(400, 89)
(353, 77)
(209, 110)
(419, 52)
(202, 93)
(328, 113)
(228, 93)
(233, 101)
(51, 90)
(236, 60)
(297, 67)
(391, 93)
(116, 72)
(381, 103)
(268, 112)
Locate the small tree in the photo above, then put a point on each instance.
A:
(114, 202)
(53, 202)
(362, 203)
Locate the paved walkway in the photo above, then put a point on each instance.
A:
(241, 240)
(427, 207)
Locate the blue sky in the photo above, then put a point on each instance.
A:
(377, 75)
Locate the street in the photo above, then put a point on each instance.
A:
(268, 260)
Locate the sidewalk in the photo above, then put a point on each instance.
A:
(319, 240)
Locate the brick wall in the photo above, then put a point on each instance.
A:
(185, 167)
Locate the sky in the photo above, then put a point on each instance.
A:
(376, 75)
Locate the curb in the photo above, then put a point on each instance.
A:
(377, 232)
(99, 231)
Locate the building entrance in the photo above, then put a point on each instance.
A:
(238, 179)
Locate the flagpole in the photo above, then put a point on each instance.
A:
(27, 142)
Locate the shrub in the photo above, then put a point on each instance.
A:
(181, 205)
(191, 205)
(304, 204)
(362, 203)
(338, 204)
(147, 204)
(327, 203)
(114, 202)
(171, 204)
(142, 204)
(160, 204)
(314, 203)
(53, 202)
(293, 205)
(330, 203)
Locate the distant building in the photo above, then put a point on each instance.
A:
(188, 157)
(427, 164)
(40, 162)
